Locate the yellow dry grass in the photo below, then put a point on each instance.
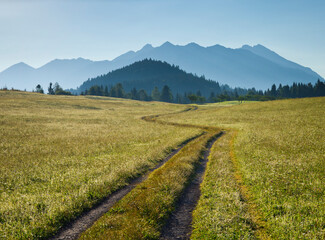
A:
(142, 213)
(280, 158)
(60, 154)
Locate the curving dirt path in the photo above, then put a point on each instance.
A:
(179, 224)
(82, 223)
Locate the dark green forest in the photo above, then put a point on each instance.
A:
(148, 74)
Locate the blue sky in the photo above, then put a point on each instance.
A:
(37, 31)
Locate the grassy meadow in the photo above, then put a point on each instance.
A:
(278, 159)
(60, 155)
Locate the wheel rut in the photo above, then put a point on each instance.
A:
(179, 224)
(82, 223)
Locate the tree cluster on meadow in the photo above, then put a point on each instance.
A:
(55, 89)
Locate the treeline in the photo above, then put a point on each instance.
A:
(299, 90)
(165, 95)
(296, 90)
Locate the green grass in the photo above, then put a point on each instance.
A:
(279, 155)
(142, 213)
(60, 154)
(221, 213)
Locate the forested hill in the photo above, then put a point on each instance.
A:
(147, 74)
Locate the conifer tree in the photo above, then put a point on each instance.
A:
(273, 90)
(212, 97)
(134, 94)
(112, 91)
(178, 98)
(166, 94)
(155, 94)
(39, 89)
(50, 89)
(119, 90)
(143, 96)
(106, 93)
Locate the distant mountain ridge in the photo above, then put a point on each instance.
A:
(246, 67)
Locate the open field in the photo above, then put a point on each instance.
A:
(60, 155)
(278, 159)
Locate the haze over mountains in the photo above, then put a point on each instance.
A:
(245, 67)
(148, 74)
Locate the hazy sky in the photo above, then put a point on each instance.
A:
(37, 31)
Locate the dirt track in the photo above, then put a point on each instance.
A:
(179, 224)
(75, 228)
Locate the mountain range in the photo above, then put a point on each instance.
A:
(244, 67)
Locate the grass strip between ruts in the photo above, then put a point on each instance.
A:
(143, 212)
(221, 212)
